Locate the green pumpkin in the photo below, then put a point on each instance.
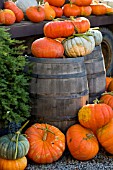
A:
(13, 146)
(97, 36)
(79, 45)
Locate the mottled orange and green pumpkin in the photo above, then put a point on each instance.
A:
(105, 136)
(47, 143)
(94, 116)
(81, 142)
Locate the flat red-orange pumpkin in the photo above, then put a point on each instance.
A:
(71, 10)
(47, 48)
(81, 142)
(47, 143)
(94, 116)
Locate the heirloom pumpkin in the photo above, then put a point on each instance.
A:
(35, 13)
(81, 142)
(81, 24)
(47, 48)
(81, 2)
(97, 36)
(58, 29)
(57, 3)
(17, 11)
(94, 116)
(98, 9)
(78, 45)
(14, 146)
(7, 17)
(18, 164)
(105, 137)
(71, 10)
(47, 143)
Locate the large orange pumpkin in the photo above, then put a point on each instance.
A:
(105, 136)
(47, 143)
(81, 142)
(94, 116)
(47, 48)
(18, 164)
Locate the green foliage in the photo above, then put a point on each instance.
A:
(14, 82)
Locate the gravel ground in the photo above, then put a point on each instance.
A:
(102, 161)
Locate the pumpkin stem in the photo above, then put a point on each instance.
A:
(111, 93)
(96, 101)
(89, 136)
(19, 131)
(16, 146)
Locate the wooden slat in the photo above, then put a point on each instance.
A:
(27, 28)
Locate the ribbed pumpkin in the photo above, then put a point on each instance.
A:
(105, 137)
(58, 29)
(107, 98)
(7, 17)
(81, 142)
(47, 48)
(47, 143)
(97, 36)
(18, 164)
(79, 45)
(14, 146)
(94, 116)
(108, 80)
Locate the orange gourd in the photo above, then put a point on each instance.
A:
(17, 11)
(18, 164)
(47, 143)
(49, 12)
(7, 17)
(94, 116)
(105, 137)
(81, 142)
(58, 11)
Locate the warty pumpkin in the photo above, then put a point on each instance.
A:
(78, 45)
(47, 48)
(105, 137)
(47, 143)
(81, 142)
(94, 116)
(18, 164)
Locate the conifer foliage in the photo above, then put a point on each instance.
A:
(14, 82)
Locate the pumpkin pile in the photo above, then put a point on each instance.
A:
(13, 151)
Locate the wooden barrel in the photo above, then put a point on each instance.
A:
(58, 89)
(96, 73)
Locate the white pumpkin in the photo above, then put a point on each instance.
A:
(97, 36)
(79, 46)
(24, 4)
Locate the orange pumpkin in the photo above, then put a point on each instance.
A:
(107, 98)
(17, 11)
(110, 86)
(81, 142)
(105, 137)
(35, 13)
(85, 10)
(7, 17)
(108, 80)
(47, 48)
(94, 116)
(81, 24)
(47, 143)
(98, 9)
(58, 11)
(81, 2)
(71, 10)
(57, 3)
(18, 164)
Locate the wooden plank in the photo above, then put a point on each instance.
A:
(27, 28)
